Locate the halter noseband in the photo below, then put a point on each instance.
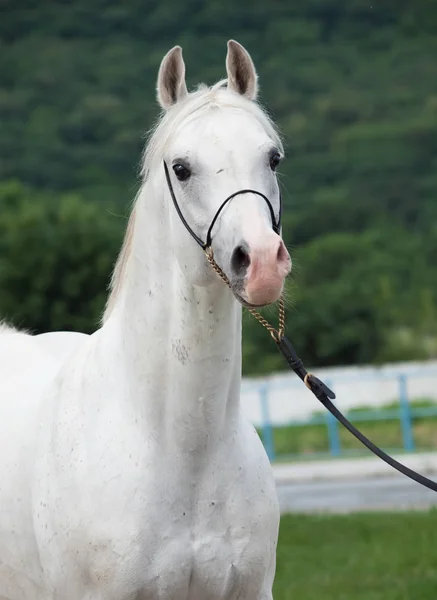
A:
(276, 224)
(317, 387)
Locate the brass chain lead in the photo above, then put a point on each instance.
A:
(275, 333)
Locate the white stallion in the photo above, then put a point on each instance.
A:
(127, 470)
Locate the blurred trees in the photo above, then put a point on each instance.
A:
(56, 256)
(353, 88)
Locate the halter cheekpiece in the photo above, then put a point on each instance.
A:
(317, 387)
(276, 224)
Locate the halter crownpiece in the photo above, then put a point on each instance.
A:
(317, 387)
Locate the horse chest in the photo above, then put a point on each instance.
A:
(218, 547)
(211, 536)
(165, 527)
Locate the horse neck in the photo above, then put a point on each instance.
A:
(181, 343)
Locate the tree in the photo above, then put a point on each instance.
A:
(56, 255)
(352, 87)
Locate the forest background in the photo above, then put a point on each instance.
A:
(353, 88)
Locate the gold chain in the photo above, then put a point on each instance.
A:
(275, 333)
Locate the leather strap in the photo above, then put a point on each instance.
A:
(324, 395)
(318, 388)
(276, 225)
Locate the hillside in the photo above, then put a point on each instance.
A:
(353, 86)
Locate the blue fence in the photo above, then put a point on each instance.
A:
(405, 412)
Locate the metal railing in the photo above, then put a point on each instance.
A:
(404, 412)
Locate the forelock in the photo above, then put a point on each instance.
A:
(197, 103)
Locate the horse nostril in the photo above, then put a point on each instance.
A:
(240, 260)
(282, 254)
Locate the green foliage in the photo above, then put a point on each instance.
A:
(56, 255)
(353, 88)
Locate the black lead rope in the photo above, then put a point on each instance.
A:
(324, 395)
(318, 388)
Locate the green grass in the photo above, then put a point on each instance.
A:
(310, 439)
(375, 556)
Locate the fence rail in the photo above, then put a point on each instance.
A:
(405, 413)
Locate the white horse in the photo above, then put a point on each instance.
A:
(127, 470)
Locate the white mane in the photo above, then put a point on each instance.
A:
(199, 102)
(112, 445)
(6, 328)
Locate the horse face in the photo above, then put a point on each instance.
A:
(224, 148)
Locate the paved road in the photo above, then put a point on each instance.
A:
(343, 496)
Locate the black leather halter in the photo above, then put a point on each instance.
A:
(317, 387)
(276, 224)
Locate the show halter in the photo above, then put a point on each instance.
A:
(317, 387)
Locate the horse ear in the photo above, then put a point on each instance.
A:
(242, 77)
(171, 85)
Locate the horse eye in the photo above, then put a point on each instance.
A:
(181, 172)
(275, 159)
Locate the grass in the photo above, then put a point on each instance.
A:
(376, 556)
(312, 438)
